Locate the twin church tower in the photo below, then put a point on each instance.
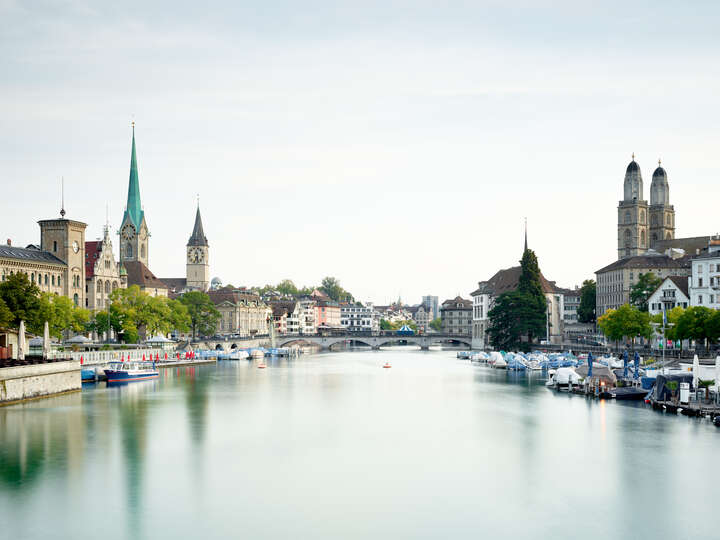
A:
(135, 236)
(642, 226)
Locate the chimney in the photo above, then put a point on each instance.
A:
(9, 242)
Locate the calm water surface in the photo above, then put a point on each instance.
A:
(334, 446)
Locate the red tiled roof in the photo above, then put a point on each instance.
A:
(93, 250)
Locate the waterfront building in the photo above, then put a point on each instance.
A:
(356, 318)
(287, 316)
(327, 314)
(422, 316)
(135, 236)
(505, 281)
(307, 323)
(103, 274)
(456, 316)
(615, 280)
(571, 303)
(241, 312)
(705, 279)
(42, 268)
(432, 305)
(672, 293)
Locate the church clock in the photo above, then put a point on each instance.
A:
(196, 255)
(128, 232)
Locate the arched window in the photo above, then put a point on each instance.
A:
(46, 279)
(128, 251)
(107, 287)
(653, 220)
(58, 281)
(628, 236)
(76, 299)
(642, 216)
(32, 277)
(668, 220)
(642, 238)
(52, 280)
(654, 237)
(54, 245)
(627, 216)
(114, 285)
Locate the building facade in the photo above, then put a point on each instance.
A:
(615, 280)
(705, 279)
(456, 316)
(241, 312)
(65, 239)
(355, 318)
(42, 268)
(672, 293)
(103, 274)
(432, 305)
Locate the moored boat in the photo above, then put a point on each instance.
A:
(131, 371)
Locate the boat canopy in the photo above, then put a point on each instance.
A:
(600, 372)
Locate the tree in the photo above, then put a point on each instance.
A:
(625, 322)
(672, 318)
(512, 318)
(586, 310)
(287, 288)
(533, 306)
(6, 316)
(21, 297)
(641, 291)
(134, 313)
(331, 287)
(436, 324)
(697, 323)
(202, 312)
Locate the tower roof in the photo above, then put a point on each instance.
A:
(198, 235)
(632, 167)
(134, 207)
(659, 173)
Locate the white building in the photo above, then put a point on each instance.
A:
(307, 324)
(672, 293)
(705, 279)
(357, 318)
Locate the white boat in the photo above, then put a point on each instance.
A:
(464, 355)
(257, 353)
(238, 354)
(500, 363)
(563, 378)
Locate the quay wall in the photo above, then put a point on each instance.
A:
(27, 382)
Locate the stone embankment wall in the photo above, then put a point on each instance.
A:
(27, 382)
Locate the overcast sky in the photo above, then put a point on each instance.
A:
(394, 145)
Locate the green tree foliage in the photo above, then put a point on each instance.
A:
(586, 310)
(625, 322)
(672, 319)
(6, 316)
(134, 313)
(287, 288)
(698, 323)
(436, 324)
(21, 297)
(60, 313)
(203, 314)
(519, 316)
(641, 291)
(331, 287)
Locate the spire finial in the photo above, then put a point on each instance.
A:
(633, 156)
(659, 162)
(525, 234)
(62, 197)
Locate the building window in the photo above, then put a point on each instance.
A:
(700, 282)
(52, 280)
(46, 279)
(58, 281)
(54, 245)
(699, 299)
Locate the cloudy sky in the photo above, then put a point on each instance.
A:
(395, 145)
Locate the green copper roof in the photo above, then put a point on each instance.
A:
(134, 208)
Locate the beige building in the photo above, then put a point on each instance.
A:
(242, 312)
(42, 268)
(103, 274)
(615, 280)
(456, 316)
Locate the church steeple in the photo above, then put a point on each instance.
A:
(134, 207)
(197, 238)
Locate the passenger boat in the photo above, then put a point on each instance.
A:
(87, 374)
(131, 371)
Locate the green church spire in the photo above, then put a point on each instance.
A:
(134, 208)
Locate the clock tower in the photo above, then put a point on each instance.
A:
(198, 265)
(134, 233)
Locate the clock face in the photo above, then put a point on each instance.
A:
(195, 256)
(76, 246)
(128, 232)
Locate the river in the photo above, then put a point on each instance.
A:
(333, 446)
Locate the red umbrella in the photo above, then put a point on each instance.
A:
(81, 360)
(143, 357)
(165, 356)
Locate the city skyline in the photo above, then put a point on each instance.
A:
(398, 154)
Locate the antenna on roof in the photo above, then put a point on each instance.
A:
(62, 196)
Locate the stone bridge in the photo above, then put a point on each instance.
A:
(373, 340)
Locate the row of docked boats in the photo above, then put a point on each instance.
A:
(255, 353)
